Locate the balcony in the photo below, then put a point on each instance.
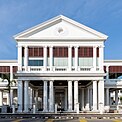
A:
(38, 69)
(3, 83)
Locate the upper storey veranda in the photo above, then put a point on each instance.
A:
(60, 45)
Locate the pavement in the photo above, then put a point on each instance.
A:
(51, 120)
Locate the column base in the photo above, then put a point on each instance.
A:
(19, 111)
(45, 111)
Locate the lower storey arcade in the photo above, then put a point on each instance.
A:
(67, 95)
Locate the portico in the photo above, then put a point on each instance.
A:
(64, 61)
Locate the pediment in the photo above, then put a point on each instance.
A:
(60, 28)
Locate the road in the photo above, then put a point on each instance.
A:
(89, 120)
(51, 120)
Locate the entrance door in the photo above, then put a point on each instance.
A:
(59, 100)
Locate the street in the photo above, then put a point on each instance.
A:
(51, 120)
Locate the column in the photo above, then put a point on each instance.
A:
(82, 99)
(31, 97)
(11, 73)
(36, 99)
(107, 97)
(94, 58)
(20, 95)
(51, 97)
(26, 58)
(26, 96)
(8, 98)
(11, 97)
(19, 58)
(51, 58)
(116, 97)
(45, 98)
(1, 97)
(70, 58)
(75, 95)
(65, 99)
(107, 72)
(101, 95)
(90, 98)
(87, 99)
(69, 96)
(76, 58)
(101, 58)
(45, 58)
(94, 95)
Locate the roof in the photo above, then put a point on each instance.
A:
(27, 34)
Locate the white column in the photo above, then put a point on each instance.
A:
(94, 58)
(51, 58)
(11, 73)
(101, 58)
(51, 97)
(116, 97)
(8, 98)
(65, 99)
(45, 57)
(107, 72)
(69, 95)
(36, 100)
(26, 96)
(31, 97)
(87, 99)
(76, 58)
(94, 95)
(107, 96)
(75, 95)
(70, 58)
(45, 98)
(20, 95)
(26, 58)
(19, 58)
(101, 94)
(82, 99)
(1, 97)
(11, 96)
(90, 98)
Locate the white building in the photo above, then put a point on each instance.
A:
(62, 62)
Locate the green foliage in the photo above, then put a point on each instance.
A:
(121, 98)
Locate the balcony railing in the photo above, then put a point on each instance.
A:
(60, 69)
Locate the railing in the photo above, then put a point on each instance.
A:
(114, 81)
(4, 84)
(60, 69)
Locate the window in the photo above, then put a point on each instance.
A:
(35, 63)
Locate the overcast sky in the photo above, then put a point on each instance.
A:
(102, 15)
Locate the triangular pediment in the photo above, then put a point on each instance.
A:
(60, 27)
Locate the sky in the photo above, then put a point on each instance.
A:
(102, 15)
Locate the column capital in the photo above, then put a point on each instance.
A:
(101, 46)
(76, 46)
(51, 80)
(45, 46)
(19, 46)
(26, 46)
(95, 46)
(51, 46)
(75, 80)
(70, 46)
(69, 81)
